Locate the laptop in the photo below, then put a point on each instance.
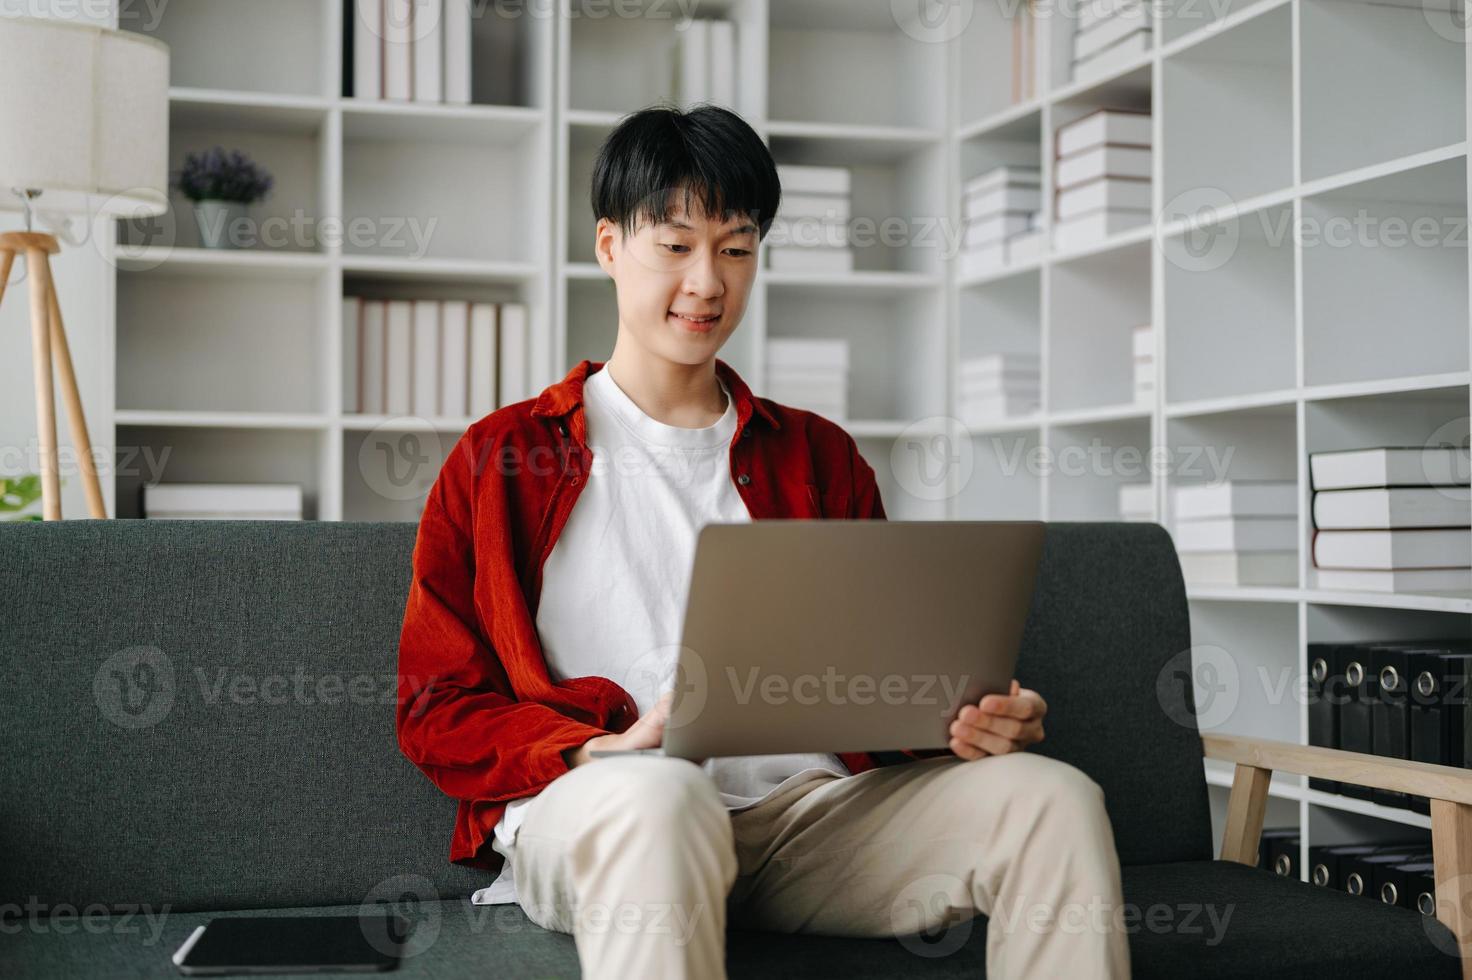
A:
(841, 635)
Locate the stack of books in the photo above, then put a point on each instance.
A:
(809, 373)
(1144, 349)
(1237, 532)
(1110, 35)
(1002, 215)
(433, 358)
(997, 386)
(811, 232)
(1102, 177)
(1136, 502)
(410, 50)
(221, 501)
(1024, 54)
(705, 63)
(1393, 519)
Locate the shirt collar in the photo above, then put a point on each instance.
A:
(563, 396)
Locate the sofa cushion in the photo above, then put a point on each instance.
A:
(1202, 919)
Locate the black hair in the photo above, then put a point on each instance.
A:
(709, 151)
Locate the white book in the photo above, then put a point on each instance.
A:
(1262, 568)
(1104, 126)
(1384, 466)
(1025, 247)
(370, 385)
(1144, 375)
(722, 82)
(978, 412)
(987, 390)
(1236, 498)
(1237, 534)
(483, 367)
(454, 358)
(1093, 228)
(809, 179)
(1010, 197)
(1102, 161)
(1393, 507)
(818, 260)
(429, 51)
(1406, 580)
(515, 342)
(831, 394)
(980, 261)
(808, 232)
(989, 231)
(999, 177)
(1391, 550)
(694, 58)
(797, 377)
(1112, 58)
(1005, 365)
(398, 352)
(368, 49)
(398, 49)
(424, 394)
(1123, 193)
(352, 333)
(1100, 35)
(807, 352)
(1143, 340)
(266, 498)
(1136, 498)
(457, 52)
(834, 207)
(1090, 12)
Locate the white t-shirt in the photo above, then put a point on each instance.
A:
(614, 586)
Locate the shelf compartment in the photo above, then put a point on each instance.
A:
(1179, 18)
(439, 187)
(1366, 72)
(1002, 317)
(1385, 276)
(1228, 105)
(388, 469)
(841, 62)
(225, 454)
(1096, 301)
(215, 341)
(1229, 313)
(985, 62)
(1005, 481)
(266, 46)
(1245, 658)
(1088, 465)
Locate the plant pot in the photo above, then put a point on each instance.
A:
(215, 219)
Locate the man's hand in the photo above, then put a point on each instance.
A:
(646, 733)
(998, 724)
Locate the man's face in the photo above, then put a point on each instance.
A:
(682, 285)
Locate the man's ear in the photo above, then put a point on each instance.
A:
(605, 236)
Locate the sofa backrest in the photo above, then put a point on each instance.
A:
(201, 713)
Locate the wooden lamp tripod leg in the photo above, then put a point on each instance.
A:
(40, 287)
(61, 352)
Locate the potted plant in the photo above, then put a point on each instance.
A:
(16, 494)
(221, 185)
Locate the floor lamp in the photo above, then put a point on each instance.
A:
(85, 115)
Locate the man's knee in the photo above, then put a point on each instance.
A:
(1049, 786)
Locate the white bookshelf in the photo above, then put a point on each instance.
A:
(1287, 110)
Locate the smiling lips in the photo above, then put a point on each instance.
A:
(696, 318)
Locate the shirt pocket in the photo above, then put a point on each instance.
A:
(829, 504)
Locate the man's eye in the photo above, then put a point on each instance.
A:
(675, 248)
(740, 253)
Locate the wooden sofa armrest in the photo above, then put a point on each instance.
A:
(1449, 789)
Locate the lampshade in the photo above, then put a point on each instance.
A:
(83, 110)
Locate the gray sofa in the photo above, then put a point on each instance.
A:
(198, 721)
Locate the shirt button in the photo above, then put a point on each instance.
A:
(743, 479)
(745, 433)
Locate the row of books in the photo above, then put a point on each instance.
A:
(1001, 212)
(1142, 340)
(705, 62)
(1109, 35)
(809, 373)
(1393, 519)
(1395, 872)
(411, 50)
(811, 232)
(433, 358)
(221, 501)
(1237, 532)
(1398, 699)
(998, 386)
(1102, 176)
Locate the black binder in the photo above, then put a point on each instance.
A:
(1439, 702)
(1325, 694)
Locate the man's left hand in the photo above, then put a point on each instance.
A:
(999, 723)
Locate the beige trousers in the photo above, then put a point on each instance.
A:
(638, 859)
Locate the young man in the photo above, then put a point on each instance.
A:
(549, 583)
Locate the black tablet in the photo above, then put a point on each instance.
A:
(294, 944)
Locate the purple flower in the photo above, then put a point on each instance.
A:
(215, 175)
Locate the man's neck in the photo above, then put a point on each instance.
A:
(684, 395)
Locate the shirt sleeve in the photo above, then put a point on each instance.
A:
(457, 717)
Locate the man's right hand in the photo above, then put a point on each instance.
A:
(646, 733)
